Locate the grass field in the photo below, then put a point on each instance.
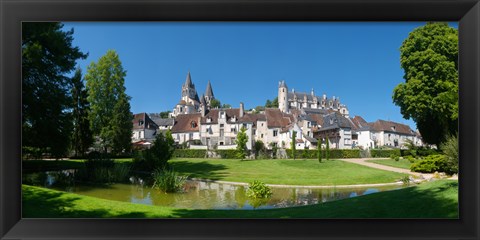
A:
(402, 163)
(437, 199)
(284, 171)
(289, 172)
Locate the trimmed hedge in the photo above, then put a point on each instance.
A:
(189, 153)
(228, 154)
(432, 164)
(381, 153)
(334, 153)
(422, 152)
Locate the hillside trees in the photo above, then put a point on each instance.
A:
(110, 117)
(429, 95)
(47, 57)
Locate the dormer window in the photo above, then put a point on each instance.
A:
(140, 123)
(193, 124)
(393, 128)
(209, 119)
(234, 119)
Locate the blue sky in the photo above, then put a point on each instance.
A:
(358, 62)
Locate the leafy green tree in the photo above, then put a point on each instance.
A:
(450, 149)
(82, 137)
(272, 104)
(122, 125)
(293, 144)
(429, 96)
(327, 149)
(158, 155)
(319, 150)
(165, 114)
(259, 146)
(226, 106)
(259, 108)
(47, 57)
(241, 141)
(214, 103)
(110, 117)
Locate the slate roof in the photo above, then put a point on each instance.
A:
(209, 91)
(310, 139)
(188, 81)
(282, 84)
(164, 121)
(183, 123)
(318, 118)
(394, 127)
(336, 120)
(317, 111)
(147, 123)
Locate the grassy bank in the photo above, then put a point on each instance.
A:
(438, 199)
(290, 172)
(401, 163)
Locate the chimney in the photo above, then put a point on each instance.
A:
(313, 93)
(242, 110)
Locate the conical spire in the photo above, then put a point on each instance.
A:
(209, 92)
(202, 100)
(188, 81)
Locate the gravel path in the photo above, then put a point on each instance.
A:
(363, 161)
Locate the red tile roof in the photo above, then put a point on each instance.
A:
(278, 119)
(186, 123)
(389, 126)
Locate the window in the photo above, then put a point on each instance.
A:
(221, 125)
(140, 123)
(347, 141)
(193, 124)
(221, 132)
(389, 136)
(275, 133)
(261, 135)
(221, 143)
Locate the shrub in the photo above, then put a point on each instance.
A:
(99, 168)
(189, 153)
(228, 154)
(334, 153)
(157, 156)
(258, 146)
(168, 180)
(450, 149)
(431, 164)
(383, 153)
(258, 190)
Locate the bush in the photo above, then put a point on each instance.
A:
(382, 153)
(168, 180)
(101, 169)
(450, 149)
(189, 153)
(228, 154)
(432, 164)
(334, 153)
(258, 190)
(157, 156)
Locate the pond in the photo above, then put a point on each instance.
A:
(198, 194)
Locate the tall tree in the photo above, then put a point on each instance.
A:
(241, 141)
(47, 57)
(293, 144)
(110, 116)
(429, 96)
(272, 104)
(82, 137)
(319, 150)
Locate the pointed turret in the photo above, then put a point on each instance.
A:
(209, 91)
(188, 81)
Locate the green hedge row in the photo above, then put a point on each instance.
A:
(334, 153)
(227, 154)
(382, 153)
(422, 152)
(189, 153)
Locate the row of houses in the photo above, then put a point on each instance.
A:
(218, 128)
(195, 123)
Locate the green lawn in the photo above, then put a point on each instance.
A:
(402, 163)
(290, 172)
(437, 199)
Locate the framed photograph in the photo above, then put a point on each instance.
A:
(239, 119)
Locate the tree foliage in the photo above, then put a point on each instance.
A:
(158, 155)
(272, 104)
(110, 118)
(47, 57)
(215, 103)
(241, 141)
(319, 150)
(429, 95)
(293, 144)
(327, 148)
(258, 146)
(82, 137)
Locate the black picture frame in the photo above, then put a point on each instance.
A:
(13, 12)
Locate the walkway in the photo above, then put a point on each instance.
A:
(363, 161)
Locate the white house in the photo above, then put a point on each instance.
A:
(144, 129)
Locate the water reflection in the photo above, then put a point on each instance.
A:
(198, 194)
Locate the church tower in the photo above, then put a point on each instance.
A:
(209, 93)
(189, 94)
(283, 96)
